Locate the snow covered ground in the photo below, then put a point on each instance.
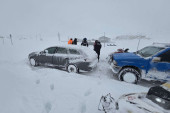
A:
(26, 89)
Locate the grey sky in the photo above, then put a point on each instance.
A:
(85, 18)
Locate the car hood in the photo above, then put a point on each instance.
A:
(118, 56)
(33, 54)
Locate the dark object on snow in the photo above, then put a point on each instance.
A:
(160, 96)
(119, 51)
(110, 56)
(126, 50)
(84, 42)
(75, 41)
(97, 47)
(122, 50)
(107, 103)
(111, 44)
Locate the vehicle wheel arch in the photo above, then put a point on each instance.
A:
(132, 67)
(36, 61)
(77, 69)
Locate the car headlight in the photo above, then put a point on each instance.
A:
(114, 62)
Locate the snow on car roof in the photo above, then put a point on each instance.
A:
(88, 51)
(70, 46)
(161, 44)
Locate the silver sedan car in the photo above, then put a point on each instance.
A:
(72, 58)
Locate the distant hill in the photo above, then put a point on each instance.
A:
(130, 37)
(104, 39)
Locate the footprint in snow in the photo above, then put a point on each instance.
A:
(83, 108)
(52, 86)
(48, 107)
(37, 81)
(99, 83)
(88, 92)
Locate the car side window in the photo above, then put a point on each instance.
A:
(51, 50)
(73, 51)
(61, 50)
(165, 57)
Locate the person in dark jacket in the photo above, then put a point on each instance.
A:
(126, 50)
(97, 47)
(75, 41)
(84, 42)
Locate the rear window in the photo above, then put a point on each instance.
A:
(73, 51)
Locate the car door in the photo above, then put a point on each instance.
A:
(160, 69)
(60, 57)
(46, 56)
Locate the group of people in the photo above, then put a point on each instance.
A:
(97, 45)
(71, 41)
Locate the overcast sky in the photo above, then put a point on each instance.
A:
(85, 18)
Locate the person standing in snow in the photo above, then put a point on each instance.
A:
(70, 41)
(84, 42)
(97, 47)
(75, 41)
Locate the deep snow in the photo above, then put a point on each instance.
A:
(26, 89)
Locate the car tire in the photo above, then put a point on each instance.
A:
(72, 68)
(33, 62)
(129, 75)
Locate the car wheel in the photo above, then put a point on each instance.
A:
(72, 68)
(129, 75)
(33, 62)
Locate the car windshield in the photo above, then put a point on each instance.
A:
(149, 51)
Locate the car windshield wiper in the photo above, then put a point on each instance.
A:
(135, 52)
(140, 53)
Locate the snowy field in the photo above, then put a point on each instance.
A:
(26, 89)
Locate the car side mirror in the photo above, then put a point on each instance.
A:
(156, 59)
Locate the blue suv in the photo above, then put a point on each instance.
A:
(150, 63)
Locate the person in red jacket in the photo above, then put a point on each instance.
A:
(70, 41)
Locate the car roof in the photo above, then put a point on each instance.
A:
(70, 46)
(88, 52)
(83, 49)
(165, 45)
